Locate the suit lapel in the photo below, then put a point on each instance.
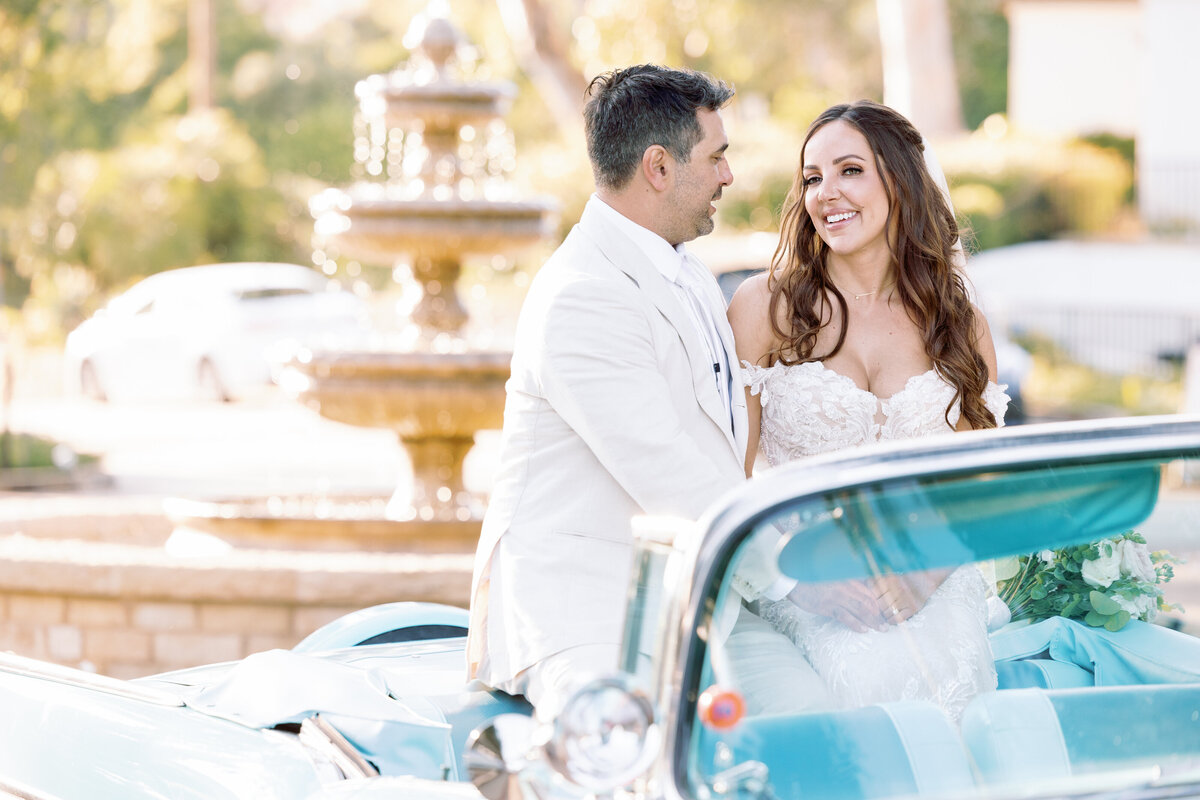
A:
(630, 259)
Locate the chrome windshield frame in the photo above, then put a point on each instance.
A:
(734, 515)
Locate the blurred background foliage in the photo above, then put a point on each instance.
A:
(106, 177)
(1011, 188)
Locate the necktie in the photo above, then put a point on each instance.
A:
(702, 314)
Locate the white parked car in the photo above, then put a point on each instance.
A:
(207, 331)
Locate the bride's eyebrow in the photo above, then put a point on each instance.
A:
(837, 160)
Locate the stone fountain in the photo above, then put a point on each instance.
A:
(436, 155)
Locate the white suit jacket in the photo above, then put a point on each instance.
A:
(612, 411)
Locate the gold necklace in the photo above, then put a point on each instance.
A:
(861, 295)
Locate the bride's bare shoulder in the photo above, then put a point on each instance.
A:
(749, 316)
(751, 302)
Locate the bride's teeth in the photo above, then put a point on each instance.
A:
(840, 217)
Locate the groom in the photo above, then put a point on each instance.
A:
(622, 399)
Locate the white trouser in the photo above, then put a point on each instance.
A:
(548, 683)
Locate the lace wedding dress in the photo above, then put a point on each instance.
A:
(941, 654)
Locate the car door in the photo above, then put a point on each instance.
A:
(146, 354)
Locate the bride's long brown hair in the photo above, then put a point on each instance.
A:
(924, 235)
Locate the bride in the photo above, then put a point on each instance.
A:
(862, 331)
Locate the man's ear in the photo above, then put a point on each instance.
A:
(657, 164)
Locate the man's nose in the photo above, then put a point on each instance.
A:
(726, 174)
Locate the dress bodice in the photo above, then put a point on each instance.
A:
(808, 409)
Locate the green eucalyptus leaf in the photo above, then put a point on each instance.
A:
(1117, 621)
(1095, 620)
(1103, 604)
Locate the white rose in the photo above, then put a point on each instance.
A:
(1149, 608)
(1103, 570)
(1141, 607)
(1135, 561)
(1047, 557)
(1127, 605)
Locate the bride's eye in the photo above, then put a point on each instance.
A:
(812, 180)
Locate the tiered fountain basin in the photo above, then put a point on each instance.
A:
(435, 402)
(374, 227)
(374, 224)
(416, 394)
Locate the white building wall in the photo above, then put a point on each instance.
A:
(1075, 66)
(1168, 140)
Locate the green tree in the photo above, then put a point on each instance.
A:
(981, 57)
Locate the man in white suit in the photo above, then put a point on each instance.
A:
(622, 399)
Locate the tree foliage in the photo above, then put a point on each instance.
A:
(980, 57)
(105, 176)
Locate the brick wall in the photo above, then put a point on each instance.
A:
(133, 610)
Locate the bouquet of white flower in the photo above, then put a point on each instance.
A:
(1105, 583)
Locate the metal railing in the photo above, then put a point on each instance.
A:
(1118, 341)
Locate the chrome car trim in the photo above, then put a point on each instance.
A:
(317, 733)
(10, 789)
(1076, 442)
(42, 670)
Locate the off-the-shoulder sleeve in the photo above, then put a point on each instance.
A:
(756, 378)
(996, 399)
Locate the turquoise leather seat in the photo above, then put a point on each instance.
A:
(1140, 653)
(893, 749)
(1042, 673)
(1036, 734)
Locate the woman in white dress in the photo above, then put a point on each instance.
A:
(862, 331)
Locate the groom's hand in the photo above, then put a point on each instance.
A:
(853, 603)
(902, 596)
(876, 603)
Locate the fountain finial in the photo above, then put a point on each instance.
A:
(440, 44)
(436, 38)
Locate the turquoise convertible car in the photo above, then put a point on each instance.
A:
(1084, 536)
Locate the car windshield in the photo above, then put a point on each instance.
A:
(1016, 632)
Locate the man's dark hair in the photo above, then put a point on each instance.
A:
(633, 108)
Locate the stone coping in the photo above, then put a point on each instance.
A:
(135, 572)
(304, 523)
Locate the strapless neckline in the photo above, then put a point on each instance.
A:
(808, 408)
(850, 383)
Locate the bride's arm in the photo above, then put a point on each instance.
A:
(749, 317)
